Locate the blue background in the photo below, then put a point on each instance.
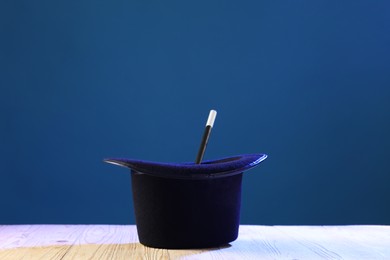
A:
(306, 82)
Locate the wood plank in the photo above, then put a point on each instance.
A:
(264, 242)
(37, 241)
(375, 239)
(254, 242)
(331, 243)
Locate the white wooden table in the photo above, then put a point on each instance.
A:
(254, 242)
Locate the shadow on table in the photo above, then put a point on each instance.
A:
(100, 251)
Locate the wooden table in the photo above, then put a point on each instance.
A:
(254, 242)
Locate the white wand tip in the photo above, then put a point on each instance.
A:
(211, 119)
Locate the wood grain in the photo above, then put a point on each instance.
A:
(254, 242)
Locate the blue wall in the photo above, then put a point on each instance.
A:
(306, 82)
